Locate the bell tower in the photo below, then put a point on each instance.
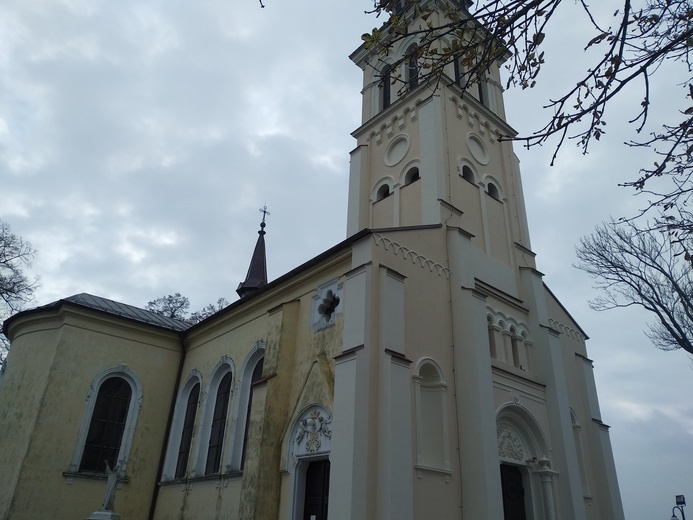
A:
(431, 150)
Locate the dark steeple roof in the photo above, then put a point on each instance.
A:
(257, 272)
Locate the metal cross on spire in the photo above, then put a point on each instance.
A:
(264, 212)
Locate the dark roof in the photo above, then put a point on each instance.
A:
(110, 307)
(257, 272)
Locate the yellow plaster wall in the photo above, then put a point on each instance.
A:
(84, 340)
(299, 365)
(22, 391)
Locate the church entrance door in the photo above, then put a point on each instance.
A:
(513, 493)
(317, 490)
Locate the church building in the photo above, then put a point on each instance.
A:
(419, 369)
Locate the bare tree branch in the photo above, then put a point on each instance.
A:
(643, 37)
(16, 289)
(642, 267)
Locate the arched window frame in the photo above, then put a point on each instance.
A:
(386, 182)
(493, 188)
(240, 414)
(123, 372)
(412, 66)
(467, 172)
(223, 367)
(424, 418)
(518, 428)
(580, 451)
(171, 460)
(509, 340)
(385, 86)
(411, 175)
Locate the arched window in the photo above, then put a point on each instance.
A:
(179, 449)
(385, 87)
(468, 174)
(431, 418)
(484, 94)
(493, 191)
(106, 426)
(187, 432)
(218, 426)
(515, 348)
(412, 67)
(493, 349)
(411, 176)
(383, 192)
(257, 375)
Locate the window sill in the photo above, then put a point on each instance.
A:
(230, 475)
(91, 475)
(445, 473)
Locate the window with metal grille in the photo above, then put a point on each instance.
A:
(187, 433)
(106, 426)
(216, 436)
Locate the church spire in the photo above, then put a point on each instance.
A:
(257, 272)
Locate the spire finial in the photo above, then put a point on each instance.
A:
(257, 272)
(264, 212)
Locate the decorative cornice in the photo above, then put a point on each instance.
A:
(568, 331)
(410, 254)
(474, 118)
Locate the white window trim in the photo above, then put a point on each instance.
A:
(131, 378)
(171, 458)
(223, 367)
(441, 388)
(241, 404)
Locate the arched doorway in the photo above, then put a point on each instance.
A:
(311, 438)
(513, 493)
(317, 490)
(525, 471)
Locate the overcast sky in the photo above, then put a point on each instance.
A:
(138, 139)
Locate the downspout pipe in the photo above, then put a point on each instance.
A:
(169, 424)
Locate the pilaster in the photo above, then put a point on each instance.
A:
(550, 365)
(394, 432)
(481, 482)
(350, 485)
(433, 156)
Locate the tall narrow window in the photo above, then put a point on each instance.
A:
(257, 375)
(412, 67)
(484, 96)
(385, 88)
(492, 339)
(106, 426)
(460, 72)
(431, 418)
(218, 428)
(187, 433)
